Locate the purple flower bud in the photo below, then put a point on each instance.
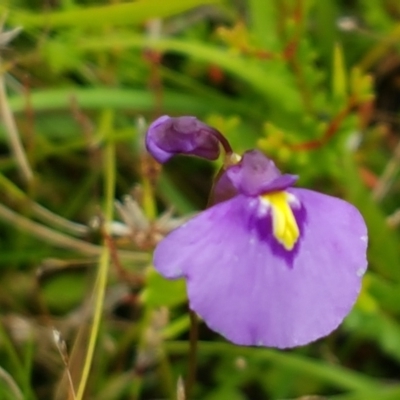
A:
(168, 136)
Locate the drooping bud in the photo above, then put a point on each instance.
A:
(169, 136)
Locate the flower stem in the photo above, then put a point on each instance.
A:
(191, 377)
(224, 141)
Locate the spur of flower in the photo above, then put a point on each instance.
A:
(268, 264)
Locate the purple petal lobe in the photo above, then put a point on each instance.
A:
(256, 174)
(245, 291)
(168, 136)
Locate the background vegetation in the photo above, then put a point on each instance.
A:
(314, 84)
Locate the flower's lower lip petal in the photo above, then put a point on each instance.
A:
(247, 293)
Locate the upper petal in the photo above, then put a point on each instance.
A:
(256, 174)
(247, 292)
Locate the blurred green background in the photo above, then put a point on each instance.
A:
(313, 84)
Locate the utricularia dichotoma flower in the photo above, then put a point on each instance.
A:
(268, 264)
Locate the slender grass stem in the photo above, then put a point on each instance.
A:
(60, 239)
(41, 212)
(101, 283)
(13, 135)
(9, 381)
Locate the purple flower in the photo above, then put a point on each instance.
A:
(270, 265)
(168, 136)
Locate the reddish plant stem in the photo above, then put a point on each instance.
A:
(134, 281)
(330, 131)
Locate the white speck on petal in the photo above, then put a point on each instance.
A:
(252, 240)
(360, 272)
(293, 200)
(260, 343)
(263, 206)
(364, 238)
(178, 273)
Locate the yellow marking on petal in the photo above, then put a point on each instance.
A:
(284, 225)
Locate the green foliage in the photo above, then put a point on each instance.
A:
(111, 14)
(315, 91)
(162, 292)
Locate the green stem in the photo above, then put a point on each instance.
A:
(101, 283)
(194, 333)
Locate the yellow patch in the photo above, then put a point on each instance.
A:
(284, 225)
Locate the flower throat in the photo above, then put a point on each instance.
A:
(285, 228)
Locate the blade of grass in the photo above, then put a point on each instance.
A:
(254, 73)
(13, 387)
(132, 100)
(112, 14)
